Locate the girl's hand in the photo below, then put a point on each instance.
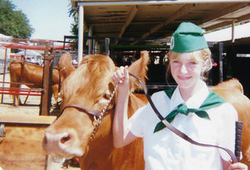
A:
(121, 77)
(238, 166)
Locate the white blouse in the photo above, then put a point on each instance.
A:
(164, 150)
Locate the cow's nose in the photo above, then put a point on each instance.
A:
(57, 141)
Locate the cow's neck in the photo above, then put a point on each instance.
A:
(101, 154)
(100, 149)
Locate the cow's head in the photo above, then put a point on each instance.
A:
(88, 87)
(65, 66)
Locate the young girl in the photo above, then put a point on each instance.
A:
(189, 59)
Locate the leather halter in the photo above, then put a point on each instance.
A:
(96, 114)
(82, 109)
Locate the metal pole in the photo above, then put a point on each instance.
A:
(94, 47)
(220, 62)
(80, 33)
(107, 42)
(90, 40)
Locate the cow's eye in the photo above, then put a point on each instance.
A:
(107, 95)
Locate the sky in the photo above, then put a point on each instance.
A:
(226, 34)
(49, 18)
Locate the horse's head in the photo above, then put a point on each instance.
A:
(85, 93)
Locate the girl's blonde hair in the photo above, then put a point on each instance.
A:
(203, 55)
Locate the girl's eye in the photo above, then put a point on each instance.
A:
(193, 63)
(175, 62)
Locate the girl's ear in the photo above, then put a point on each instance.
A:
(206, 65)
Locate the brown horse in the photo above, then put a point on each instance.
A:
(30, 75)
(71, 135)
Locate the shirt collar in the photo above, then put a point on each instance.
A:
(194, 102)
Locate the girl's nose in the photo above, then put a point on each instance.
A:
(183, 69)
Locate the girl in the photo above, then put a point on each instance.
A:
(189, 60)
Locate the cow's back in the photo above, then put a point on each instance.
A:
(232, 92)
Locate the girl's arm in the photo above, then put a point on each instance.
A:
(121, 134)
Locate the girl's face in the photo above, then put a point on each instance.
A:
(186, 70)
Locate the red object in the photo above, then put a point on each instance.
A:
(214, 64)
(20, 91)
(30, 47)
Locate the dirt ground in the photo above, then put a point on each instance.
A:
(30, 108)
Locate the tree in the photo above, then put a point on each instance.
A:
(12, 22)
(74, 15)
(74, 27)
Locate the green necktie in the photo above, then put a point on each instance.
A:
(211, 101)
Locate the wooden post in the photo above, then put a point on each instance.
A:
(233, 31)
(4, 69)
(47, 79)
(23, 141)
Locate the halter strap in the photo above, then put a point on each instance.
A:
(82, 109)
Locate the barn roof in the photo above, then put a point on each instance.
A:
(135, 20)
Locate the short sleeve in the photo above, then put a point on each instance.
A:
(145, 116)
(136, 124)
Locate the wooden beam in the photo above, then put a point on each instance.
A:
(228, 22)
(129, 19)
(220, 25)
(185, 9)
(98, 24)
(223, 12)
(173, 17)
(243, 18)
(26, 119)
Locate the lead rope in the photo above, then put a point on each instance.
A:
(176, 131)
(98, 120)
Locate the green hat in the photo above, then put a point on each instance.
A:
(188, 37)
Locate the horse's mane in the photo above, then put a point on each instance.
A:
(90, 77)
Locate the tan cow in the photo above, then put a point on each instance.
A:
(31, 75)
(87, 90)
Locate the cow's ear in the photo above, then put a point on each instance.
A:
(139, 68)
